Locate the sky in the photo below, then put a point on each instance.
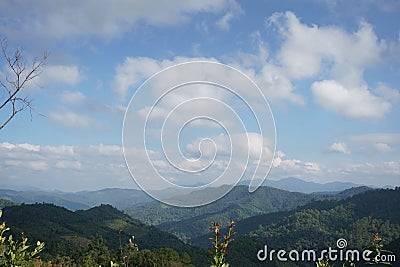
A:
(329, 72)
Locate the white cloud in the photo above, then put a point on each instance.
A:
(293, 167)
(7, 145)
(29, 147)
(367, 173)
(54, 20)
(69, 164)
(55, 74)
(377, 143)
(312, 167)
(338, 56)
(132, 72)
(99, 166)
(58, 151)
(382, 147)
(339, 148)
(390, 138)
(380, 173)
(234, 11)
(71, 120)
(353, 103)
(276, 85)
(108, 150)
(24, 146)
(251, 144)
(389, 94)
(38, 165)
(307, 48)
(74, 98)
(223, 22)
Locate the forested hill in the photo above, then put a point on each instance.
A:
(69, 233)
(237, 204)
(319, 225)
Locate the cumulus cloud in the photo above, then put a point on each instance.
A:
(64, 74)
(353, 103)
(339, 148)
(275, 84)
(307, 48)
(132, 72)
(339, 56)
(283, 168)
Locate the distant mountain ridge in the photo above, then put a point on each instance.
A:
(126, 198)
(120, 198)
(298, 185)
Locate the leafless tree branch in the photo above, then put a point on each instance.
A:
(21, 74)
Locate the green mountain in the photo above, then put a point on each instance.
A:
(69, 233)
(297, 185)
(187, 223)
(318, 225)
(283, 220)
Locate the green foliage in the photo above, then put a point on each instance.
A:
(130, 255)
(14, 253)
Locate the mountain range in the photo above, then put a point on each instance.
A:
(283, 220)
(126, 198)
(120, 198)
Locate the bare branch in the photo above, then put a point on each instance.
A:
(21, 75)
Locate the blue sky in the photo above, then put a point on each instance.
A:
(329, 70)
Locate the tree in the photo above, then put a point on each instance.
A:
(19, 73)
